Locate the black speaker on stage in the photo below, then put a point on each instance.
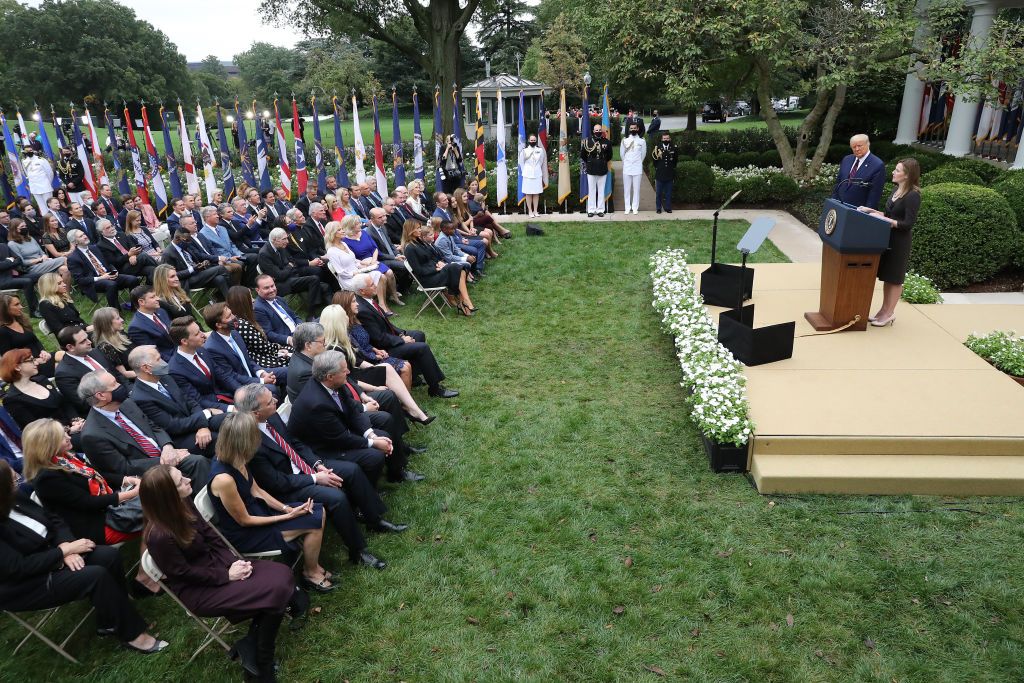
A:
(721, 284)
(755, 346)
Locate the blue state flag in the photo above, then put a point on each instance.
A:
(396, 141)
(318, 152)
(169, 159)
(227, 179)
(123, 187)
(243, 149)
(339, 147)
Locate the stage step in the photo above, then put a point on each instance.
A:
(895, 445)
(889, 474)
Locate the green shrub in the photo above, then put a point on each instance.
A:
(1005, 350)
(917, 289)
(928, 161)
(1011, 186)
(950, 174)
(755, 191)
(781, 188)
(694, 182)
(807, 207)
(964, 234)
(724, 188)
(769, 159)
(707, 158)
(990, 173)
(726, 160)
(836, 153)
(748, 159)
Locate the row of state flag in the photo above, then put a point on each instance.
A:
(203, 168)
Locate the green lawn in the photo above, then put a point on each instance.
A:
(788, 118)
(569, 528)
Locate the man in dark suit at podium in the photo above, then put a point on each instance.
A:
(861, 175)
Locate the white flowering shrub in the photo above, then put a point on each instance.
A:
(825, 178)
(715, 379)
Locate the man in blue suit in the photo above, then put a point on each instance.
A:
(10, 440)
(861, 175)
(233, 366)
(150, 326)
(273, 313)
(91, 272)
(218, 241)
(192, 367)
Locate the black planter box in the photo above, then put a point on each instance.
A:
(725, 457)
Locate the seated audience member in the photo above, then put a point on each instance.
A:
(150, 324)
(10, 441)
(241, 228)
(16, 333)
(49, 567)
(448, 246)
(33, 260)
(344, 263)
(124, 257)
(54, 240)
(13, 276)
(109, 338)
(92, 274)
(410, 345)
(473, 239)
(476, 202)
(344, 333)
(209, 578)
(201, 251)
(216, 238)
(305, 200)
(232, 364)
(194, 274)
(173, 299)
(286, 469)
(365, 250)
(429, 267)
(276, 261)
(335, 203)
(80, 358)
(192, 367)
(418, 203)
(333, 422)
(246, 513)
(190, 426)
(315, 227)
(309, 341)
(56, 306)
(140, 237)
(120, 440)
(79, 495)
(273, 313)
(27, 400)
(275, 208)
(387, 252)
(265, 352)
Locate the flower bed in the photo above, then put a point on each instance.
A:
(713, 377)
(918, 289)
(1004, 350)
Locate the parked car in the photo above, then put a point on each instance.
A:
(714, 111)
(740, 108)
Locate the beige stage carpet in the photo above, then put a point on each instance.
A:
(894, 410)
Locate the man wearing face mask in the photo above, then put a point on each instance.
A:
(80, 358)
(71, 173)
(632, 151)
(120, 440)
(596, 154)
(40, 178)
(665, 157)
(531, 168)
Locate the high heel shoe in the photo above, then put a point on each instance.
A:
(463, 309)
(883, 323)
(425, 421)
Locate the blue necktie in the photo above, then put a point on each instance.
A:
(245, 365)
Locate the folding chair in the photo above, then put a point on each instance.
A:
(432, 293)
(43, 327)
(200, 297)
(213, 631)
(35, 630)
(205, 507)
(285, 410)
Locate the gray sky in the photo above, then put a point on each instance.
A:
(197, 26)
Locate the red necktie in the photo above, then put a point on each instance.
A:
(93, 364)
(355, 394)
(100, 270)
(290, 452)
(118, 245)
(159, 324)
(147, 446)
(391, 328)
(856, 167)
(202, 366)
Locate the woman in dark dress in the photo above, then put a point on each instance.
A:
(430, 269)
(109, 338)
(265, 353)
(16, 333)
(208, 577)
(56, 306)
(54, 240)
(173, 299)
(29, 400)
(901, 213)
(42, 565)
(251, 519)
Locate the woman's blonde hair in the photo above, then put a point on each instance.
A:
(238, 439)
(331, 201)
(162, 286)
(332, 232)
(334, 319)
(103, 329)
(350, 224)
(48, 290)
(410, 231)
(132, 219)
(461, 207)
(40, 441)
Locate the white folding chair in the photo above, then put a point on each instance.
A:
(213, 631)
(285, 410)
(205, 507)
(432, 294)
(43, 327)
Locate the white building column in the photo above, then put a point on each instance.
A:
(961, 124)
(913, 89)
(1018, 163)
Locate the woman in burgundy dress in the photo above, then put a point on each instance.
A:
(208, 577)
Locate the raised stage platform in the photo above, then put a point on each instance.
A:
(893, 410)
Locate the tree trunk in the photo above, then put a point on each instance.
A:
(691, 118)
(444, 56)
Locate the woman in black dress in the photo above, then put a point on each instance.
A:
(16, 333)
(109, 338)
(56, 306)
(173, 299)
(54, 240)
(428, 266)
(901, 213)
(266, 353)
(29, 400)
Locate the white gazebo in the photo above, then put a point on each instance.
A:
(533, 102)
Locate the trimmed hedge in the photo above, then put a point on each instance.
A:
(987, 172)
(951, 174)
(694, 182)
(964, 234)
(1011, 186)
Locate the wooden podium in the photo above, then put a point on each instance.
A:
(852, 243)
